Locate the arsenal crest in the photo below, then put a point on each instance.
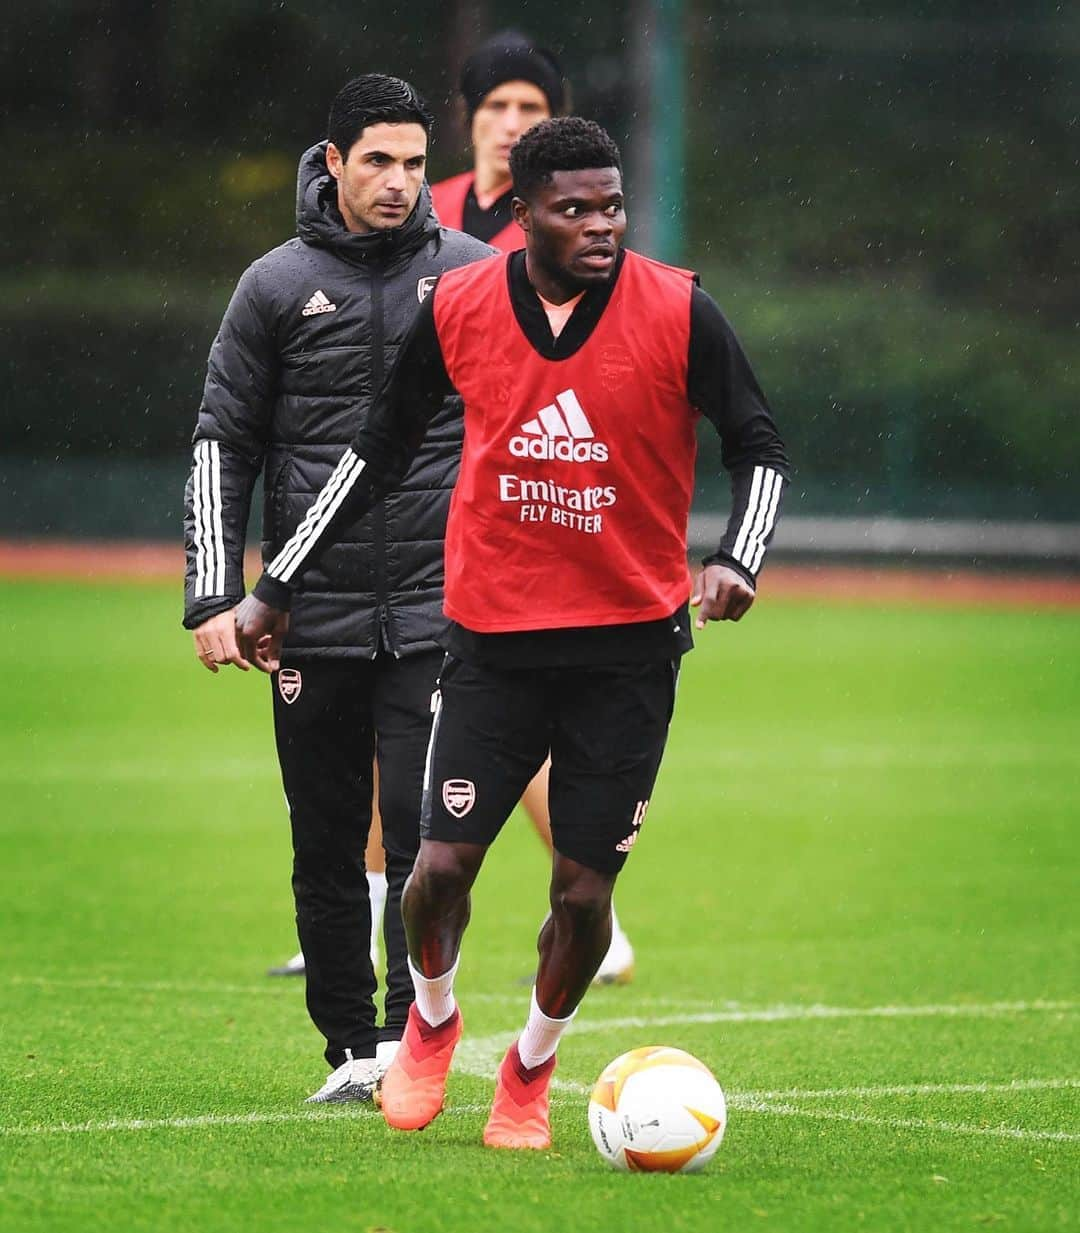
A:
(616, 367)
(424, 286)
(459, 796)
(500, 380)
(289, 683)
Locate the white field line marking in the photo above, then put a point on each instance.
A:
(913, 1089)
(911, 1123)
(747, 1102)
(273, 987)
(778, 1014)
(733, 1012)
(337, 1113)
(480, 1056)
(783, 1014)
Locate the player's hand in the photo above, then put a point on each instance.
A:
(720, 594)
(260, 631)
(215, 642)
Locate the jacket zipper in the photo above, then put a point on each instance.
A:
(378, 514)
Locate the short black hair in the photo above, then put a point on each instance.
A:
(566, 143)
(374, 98)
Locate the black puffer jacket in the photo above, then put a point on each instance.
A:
(310, 332)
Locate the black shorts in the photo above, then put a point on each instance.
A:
(605, 728)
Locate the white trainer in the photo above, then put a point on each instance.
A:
(617, 967)
(295, 966)
(385, 1052)
(355, 1079)
(291, 967)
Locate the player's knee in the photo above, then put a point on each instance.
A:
(442, 874)
(584, 905)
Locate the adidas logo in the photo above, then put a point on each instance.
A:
(560, 431)
(624, 845)
(317, 304)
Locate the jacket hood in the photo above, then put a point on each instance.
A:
(319, 222)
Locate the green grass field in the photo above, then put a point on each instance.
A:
(855, 898)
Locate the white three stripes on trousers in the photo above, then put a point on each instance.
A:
(327, 504)
(757, 523)
(209, 537)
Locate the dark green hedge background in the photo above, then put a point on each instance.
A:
(882, 196)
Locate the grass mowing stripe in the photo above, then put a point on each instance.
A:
(233, 769)
(869, 756)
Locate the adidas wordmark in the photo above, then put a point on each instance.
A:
(561, 430)
(317, 304)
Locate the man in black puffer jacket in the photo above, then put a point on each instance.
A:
(310, 331)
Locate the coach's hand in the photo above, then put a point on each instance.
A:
(260, 630)
(720, 594)
(215, 642)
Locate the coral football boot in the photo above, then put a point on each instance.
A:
(413, 1089)
(519, 1114)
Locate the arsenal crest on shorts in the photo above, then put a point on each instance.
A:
(289, 683)
(459, 796)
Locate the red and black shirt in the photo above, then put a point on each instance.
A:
(456, 205)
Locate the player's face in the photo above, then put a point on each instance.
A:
(575, 225)
(508, 111)
(379, 182)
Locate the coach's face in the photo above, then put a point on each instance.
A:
(574, 225)
(380, 180)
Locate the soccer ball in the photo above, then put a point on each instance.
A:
(657, 1110)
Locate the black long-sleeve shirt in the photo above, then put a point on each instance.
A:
(720, 385)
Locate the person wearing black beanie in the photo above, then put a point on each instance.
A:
(508, 85)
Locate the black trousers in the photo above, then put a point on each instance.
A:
(330, 718)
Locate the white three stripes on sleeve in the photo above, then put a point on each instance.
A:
(758, 520)
(209, 536)
(327, 504)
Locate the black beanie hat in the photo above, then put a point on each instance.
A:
(510, 56)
